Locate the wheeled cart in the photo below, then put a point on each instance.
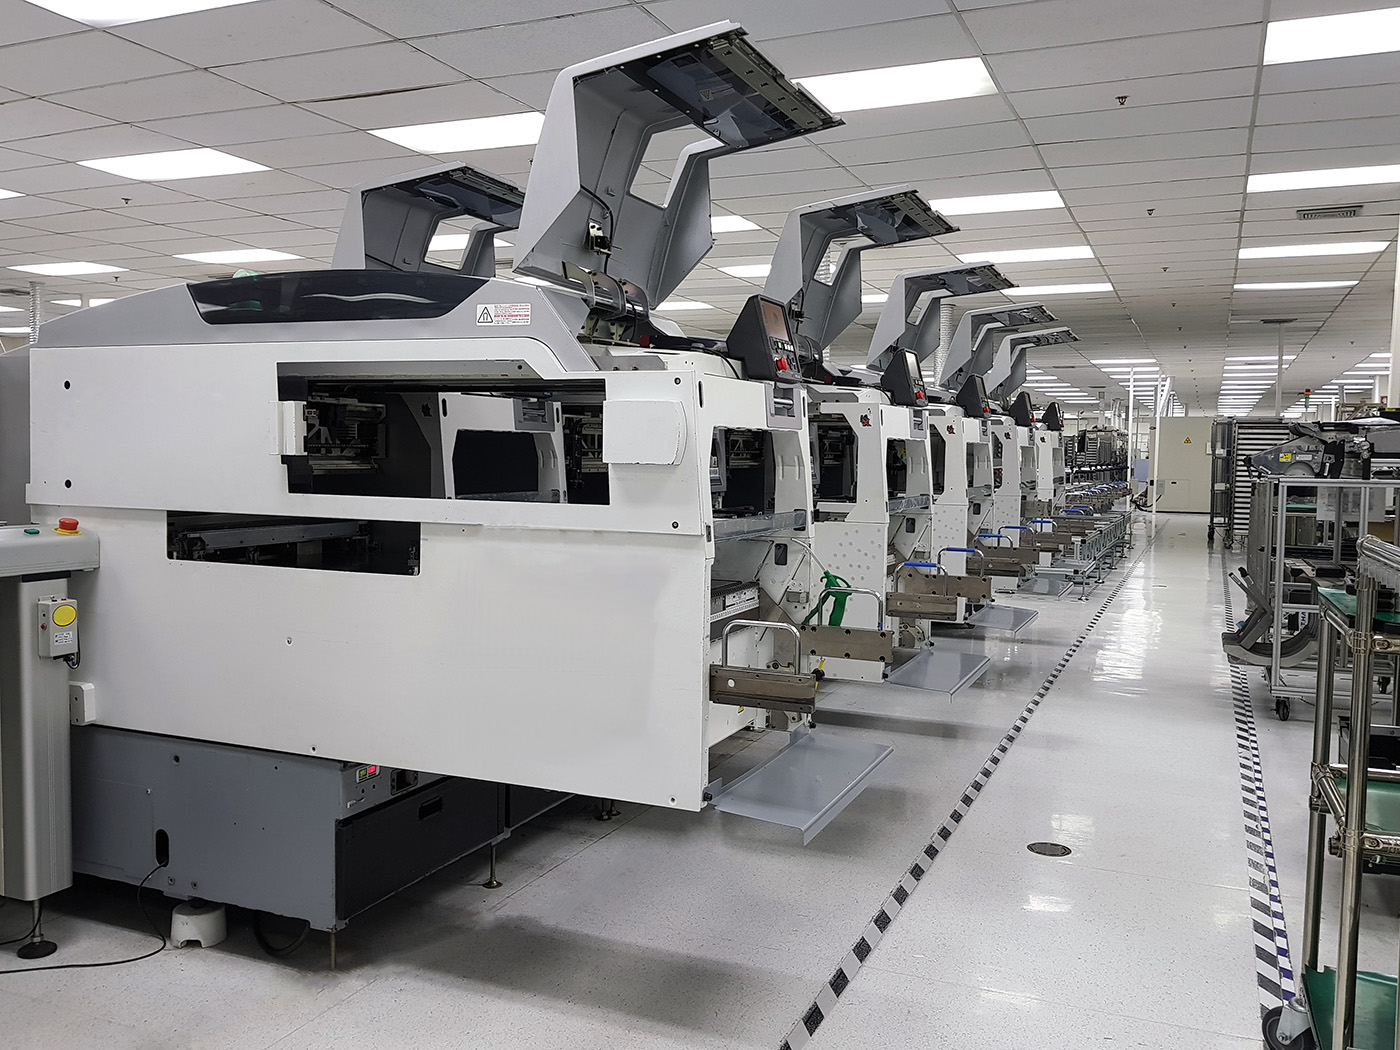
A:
(1341, 1008)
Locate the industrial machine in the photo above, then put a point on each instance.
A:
(424, 532)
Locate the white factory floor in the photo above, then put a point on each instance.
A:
(664, 929)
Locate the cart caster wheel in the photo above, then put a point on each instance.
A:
(1272, 1041)
(1283, 708)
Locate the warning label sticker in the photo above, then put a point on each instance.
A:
(503, 313)
(63, 637)
(1187, 441)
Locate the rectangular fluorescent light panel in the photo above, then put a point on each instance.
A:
(1057, 289)
(1124, 361)
(9, 309)
(1305, 251)
(68, 269)
(730, 224)
(14, 331)
(748, 270)
(875, 297)
(455, 242)
(239, 255)
(1031, 255)
(998, 202)
(457, 136)
(676, 305)
(7, 194)
(172, 165)
(1262, 357)
(76, 302)
(1324, 178)
(102, 13)
(900, 85)
(1332, 36)
(1292, 286)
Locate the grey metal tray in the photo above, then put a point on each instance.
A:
(1003, 618)
(940, 670)
(1054, 586)
(806, 784)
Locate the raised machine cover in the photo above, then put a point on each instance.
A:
(1008, 372)
(581, 216)
(826, 304)
(972, 352)
(899, 329)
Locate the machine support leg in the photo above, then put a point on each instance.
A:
(332, 950)
(1317, 813)
(37, 947)
(1358, 762)
(492, 883)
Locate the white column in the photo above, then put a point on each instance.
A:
(1393, 391)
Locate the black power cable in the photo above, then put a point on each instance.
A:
(110, 962)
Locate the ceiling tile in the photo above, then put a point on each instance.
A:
(176, 95)
(897, 120)
(548, 44)
(1181, 146)
(776, 18)
(31, 117)
(327, 149)
(1139, 92)
(112, 140)
(871, 46)
(1054, 23)
(262, 123)
(25, 21)
(57, 177)
(276, 28)
(529, 89)
(429, 17)
(78, 60)
(338, 74)
(459, 101)
(1123, 60)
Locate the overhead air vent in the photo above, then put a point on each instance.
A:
(1341, 211)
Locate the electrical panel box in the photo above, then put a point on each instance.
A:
(57, 627)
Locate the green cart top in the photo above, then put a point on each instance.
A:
(1345, 603)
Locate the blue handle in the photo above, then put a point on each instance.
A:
(1042, 521)
(1023, 528)
(990, 536)
(963, 550)
(921, 564)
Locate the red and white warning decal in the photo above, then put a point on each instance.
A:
(503, 313)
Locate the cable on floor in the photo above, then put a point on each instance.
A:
(109, 962)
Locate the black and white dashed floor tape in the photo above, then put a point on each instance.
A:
(875, 930)
(1272, 961)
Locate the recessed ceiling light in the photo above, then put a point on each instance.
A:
(77, 302)
(1057, 289)
(1303, 251)
(1262, 357)
(7, 194)
(875, 297)
(730, 224)
(14, 331)
(675, 305)
(239, 255)
(748, 270)
(68, 269)
(9, 309)
(455, 242)
(119, 12)
(900, 85)
(1324, 178)
(172, 165)
(455, 136)
(1292, 286)
(1031, 255)
(1332, 36)
(995, 202)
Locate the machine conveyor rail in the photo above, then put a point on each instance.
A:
(757, 525)
(904, 504)
(806, 784)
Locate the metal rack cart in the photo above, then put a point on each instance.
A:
(1234, 441)
(1343, 1008)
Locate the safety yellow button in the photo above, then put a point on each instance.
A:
(63, 615)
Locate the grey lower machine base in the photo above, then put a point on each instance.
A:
(291, 835)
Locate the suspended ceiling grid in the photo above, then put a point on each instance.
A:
(1155, 185)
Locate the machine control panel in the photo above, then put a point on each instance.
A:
(32, 549)
(57, 627)
(762, 339)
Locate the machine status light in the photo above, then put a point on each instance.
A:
(31, 532)
(366, 773)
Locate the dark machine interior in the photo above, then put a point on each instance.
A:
(742, 472)
(835, 459)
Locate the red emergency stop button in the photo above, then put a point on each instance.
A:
(67, 527)
(782, 364)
